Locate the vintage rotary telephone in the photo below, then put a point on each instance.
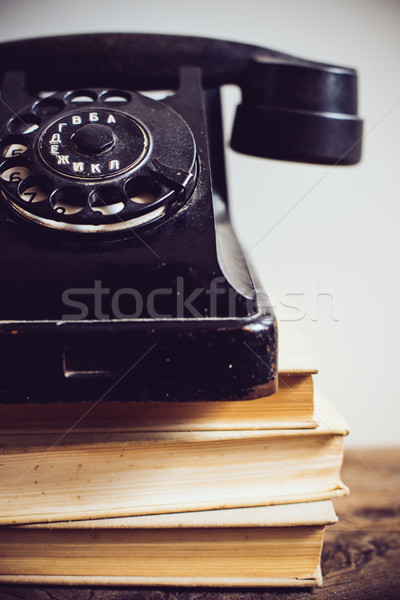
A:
(119, 270)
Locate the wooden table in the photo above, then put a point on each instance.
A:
(361, 556)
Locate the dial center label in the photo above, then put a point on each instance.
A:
(93, 144)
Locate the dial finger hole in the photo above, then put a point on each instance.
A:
(68, 200)
(107, 200)
(35, 189)
(13, 145)
(45, 94)
(24, 124)
(115, 97)
(48, 107)
(81, 97)
(157, 94)
(15, 171)
(142, 190)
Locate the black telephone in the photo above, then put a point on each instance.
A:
(120, 270)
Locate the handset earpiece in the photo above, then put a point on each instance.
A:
(298, 111)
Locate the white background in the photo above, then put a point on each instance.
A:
(324, 241)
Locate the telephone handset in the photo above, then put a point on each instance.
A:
(116, 240)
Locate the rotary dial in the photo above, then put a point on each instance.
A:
(97, 161)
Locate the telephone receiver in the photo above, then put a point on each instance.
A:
(291, 109)
(121, 270)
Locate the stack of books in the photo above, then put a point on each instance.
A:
(191, 493)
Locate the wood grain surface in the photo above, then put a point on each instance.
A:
(361, 556)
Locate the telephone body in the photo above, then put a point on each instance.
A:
(120, 270)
